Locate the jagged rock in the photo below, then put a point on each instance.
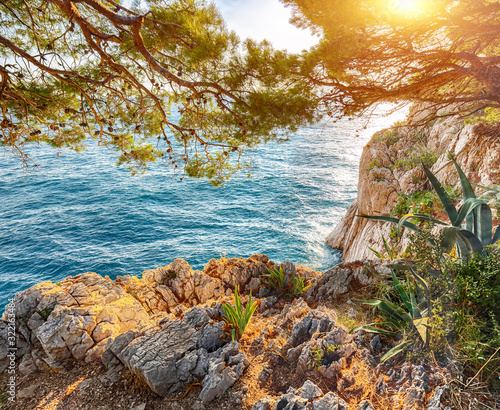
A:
(375, 343)
(76, 318)
(381, 387)
(262, 404)
(329, 401)
(310, 391)
(56, 322)
(365, 405)
(265, 374)
(223, 372)
(315, 322)
(169, 356)
(238, 271)
(339, 280)
(435, 401)
(267, 303)
(290, 401)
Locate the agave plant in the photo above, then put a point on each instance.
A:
(413, 315)
(276, 279)
(475, 213)
(237, 317)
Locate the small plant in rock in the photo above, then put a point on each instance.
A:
(275, 278)
(324, 355)
(298, 286)
(390, 252)
(45, 312)
(238, 318)
(374, 164)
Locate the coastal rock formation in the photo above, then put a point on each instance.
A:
(389, 166)
(158, 331)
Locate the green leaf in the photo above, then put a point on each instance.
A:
(401, 291)
(377, 253)
(408, 225)
(471, 241)
(464, 181)
(443, 196)
(425, 287)
(390, 308)
(372, 329)
(462, 249)
(449, 236)
(466, 211)
(496, 237)
(484, 224)
(419, 216)
(421, 324)
(389, 251)
(396, 350)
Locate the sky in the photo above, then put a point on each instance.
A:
(265, 19)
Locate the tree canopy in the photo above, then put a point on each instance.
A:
(160, 79)
(439, 54)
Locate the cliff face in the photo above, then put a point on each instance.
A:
(389, 166)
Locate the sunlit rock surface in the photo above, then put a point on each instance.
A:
(476, 149)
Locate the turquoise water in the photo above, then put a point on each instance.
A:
(78, 212)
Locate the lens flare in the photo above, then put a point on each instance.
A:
(406, 6)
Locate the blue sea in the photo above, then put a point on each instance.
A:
(78, 212)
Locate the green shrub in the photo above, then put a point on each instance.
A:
(374, 164)
(425, 156)
(389, 136)
(322, 354)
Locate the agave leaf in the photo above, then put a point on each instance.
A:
(443, 196)
(484, 224)
(462, 250)
(466, 210)
(494, 188)
(372, 329)
(377, 253)
(464, 181)
(401, 291)
(237, 300)
(408, 225)
(471, 241)
(396, 350)
(389, 308)
(389, 251)
(421, 281)
(421, 325)
(496, 237)
(397, 324)
(419, 216)
(415, 311)
(449, 236)
(469, 222)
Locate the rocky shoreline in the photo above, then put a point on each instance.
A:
(164, 333)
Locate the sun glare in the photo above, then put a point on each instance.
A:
(406, 6)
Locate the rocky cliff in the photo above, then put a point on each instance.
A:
(389, 166)
(147, 343)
